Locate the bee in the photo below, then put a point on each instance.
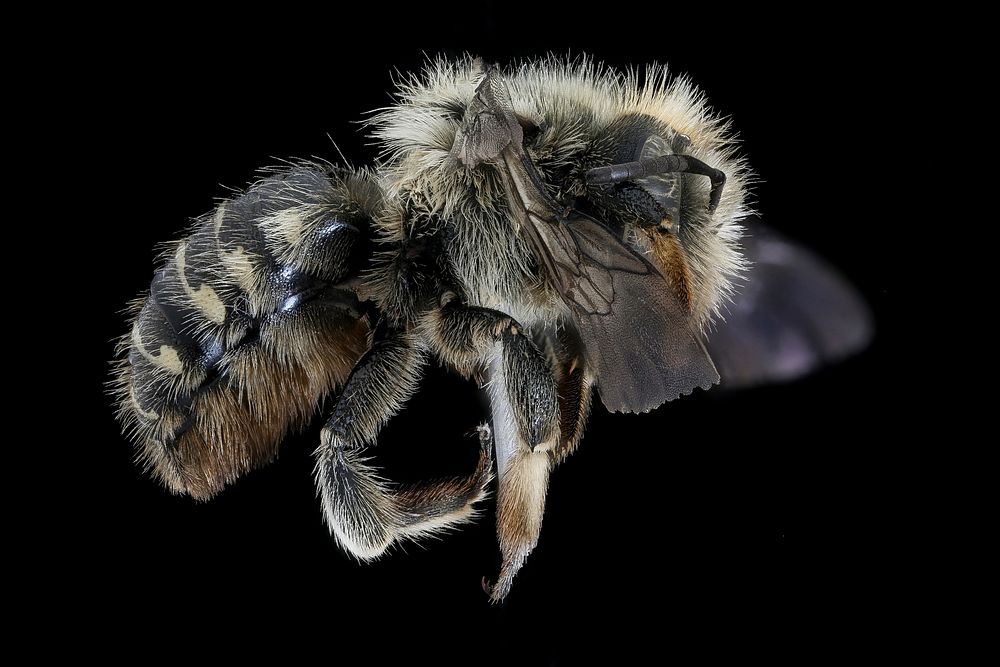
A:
(550, 230)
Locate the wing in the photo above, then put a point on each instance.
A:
(637, 334)
(794, 315)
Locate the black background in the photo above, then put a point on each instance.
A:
(719, 521)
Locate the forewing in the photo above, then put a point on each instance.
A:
(637, 334)
(794, 314)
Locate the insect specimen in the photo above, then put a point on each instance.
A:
(550, 230)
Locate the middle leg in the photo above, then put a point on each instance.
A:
(366, 513)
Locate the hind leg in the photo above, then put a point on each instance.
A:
(364, 511)
(526, 418)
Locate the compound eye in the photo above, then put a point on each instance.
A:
(666, 189)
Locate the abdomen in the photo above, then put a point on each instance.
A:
(250, 322)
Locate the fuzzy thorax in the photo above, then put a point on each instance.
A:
(572, 103)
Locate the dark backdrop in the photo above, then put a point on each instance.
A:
(715, 521)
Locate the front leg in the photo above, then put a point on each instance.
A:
(526, 417)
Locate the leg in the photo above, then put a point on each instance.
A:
(575, 384)
(523, 398)
(362, 510)
(526, 418)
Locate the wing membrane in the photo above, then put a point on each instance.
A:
(636, 333)
(794, 315)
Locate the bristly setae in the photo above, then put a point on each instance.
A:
(547, 229)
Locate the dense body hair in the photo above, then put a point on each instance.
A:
(480, 241)
(247, 327)
(575, 102)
